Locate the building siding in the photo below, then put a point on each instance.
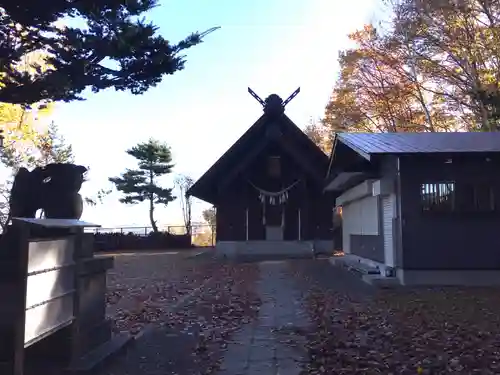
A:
(368, 246)
(307, 196)
(389, 173)
(448, 240)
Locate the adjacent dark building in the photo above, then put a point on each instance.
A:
(268, 189)
(425, 206)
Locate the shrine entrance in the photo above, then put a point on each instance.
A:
(274, 211)
(275, 224)
(274, 233)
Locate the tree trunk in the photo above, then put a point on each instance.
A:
(186, 210)
(151, 215)
(189, 216)
(151, 204)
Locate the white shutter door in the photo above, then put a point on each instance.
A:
(352, 223)
(389, 211)
(369, 216)
(357, 217)
(346, 228)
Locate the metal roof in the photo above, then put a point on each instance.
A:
(400, 143)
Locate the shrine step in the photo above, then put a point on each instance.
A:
(256, 250)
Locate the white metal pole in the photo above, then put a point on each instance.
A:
(300, 225)
(246, 221)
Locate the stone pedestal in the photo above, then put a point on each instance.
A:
(81, 341)
(13, 271)
(93, 328)
(92, 338)
(89, 339)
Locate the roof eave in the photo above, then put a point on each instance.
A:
(354, 147)
(202, 195)
(332, 153)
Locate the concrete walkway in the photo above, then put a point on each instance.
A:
(274, 343)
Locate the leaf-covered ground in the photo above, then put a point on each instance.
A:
(357, 330)
(144, 287)
(188, 308)
(193, 309)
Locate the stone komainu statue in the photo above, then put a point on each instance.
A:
(53, 188)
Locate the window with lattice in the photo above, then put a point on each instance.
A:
(438, 197)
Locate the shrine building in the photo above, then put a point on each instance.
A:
(268, 189)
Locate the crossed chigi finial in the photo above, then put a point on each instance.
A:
(273, 105)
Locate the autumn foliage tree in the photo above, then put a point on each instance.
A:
(319, 134)
(435, 66)
(457, 45)
(209, 215)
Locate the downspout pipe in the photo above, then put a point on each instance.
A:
(399, 221)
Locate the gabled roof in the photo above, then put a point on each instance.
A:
(254, 134)
(367, 145)
(403, 143)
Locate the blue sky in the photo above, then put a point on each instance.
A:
(271, 46)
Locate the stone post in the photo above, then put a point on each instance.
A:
(92, 339)
(13, 284)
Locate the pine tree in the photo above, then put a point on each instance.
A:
(110, 45)
(142, 185)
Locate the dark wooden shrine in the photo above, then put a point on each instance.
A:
(269, 184)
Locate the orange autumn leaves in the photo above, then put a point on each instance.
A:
(433, 66)
(378, 91)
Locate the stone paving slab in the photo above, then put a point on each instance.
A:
(266, 347)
